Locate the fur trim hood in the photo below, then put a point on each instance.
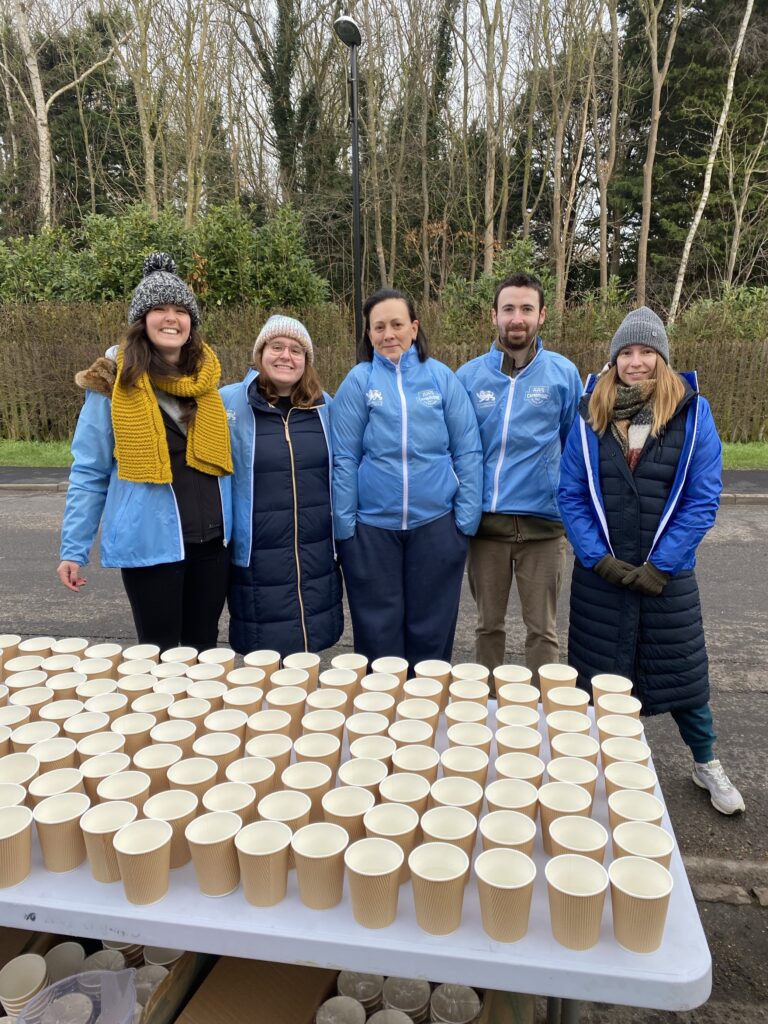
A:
(100, 376)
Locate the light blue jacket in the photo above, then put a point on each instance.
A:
(406, 447)
(242, 430)
(524, 422)
(140, 522)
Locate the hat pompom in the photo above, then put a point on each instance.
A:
(159, 261)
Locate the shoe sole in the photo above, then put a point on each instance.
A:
(715, 804)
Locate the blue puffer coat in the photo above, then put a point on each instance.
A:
(406, 447)
(659, 514)
(285, 586)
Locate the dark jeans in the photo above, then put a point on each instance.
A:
(698, 731)
(403, 588)
(179, 603)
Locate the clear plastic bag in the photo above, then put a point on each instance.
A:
(93, 997)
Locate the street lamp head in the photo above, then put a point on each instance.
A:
(348, 31)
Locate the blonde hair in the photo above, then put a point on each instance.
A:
(665, 400)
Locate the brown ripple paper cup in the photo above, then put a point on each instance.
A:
(373, 872)
(15, 845)
(262, 851)
(318, 850)
(211, 839)
(576, 886)
(505, 886)
(438, 875)
(640, 891)
(100, 824)
(143, 851)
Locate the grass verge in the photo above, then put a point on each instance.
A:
(753, 455)
(34, 453)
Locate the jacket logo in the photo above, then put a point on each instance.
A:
(429, 397)
(538, 394)
(374, 396)
(231, 415)
(485, 398)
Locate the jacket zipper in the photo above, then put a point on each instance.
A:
(504, 432)
(330, 480)
(403, 445)
(296, 528)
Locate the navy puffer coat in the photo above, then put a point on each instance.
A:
(659, 514)
(285, 585)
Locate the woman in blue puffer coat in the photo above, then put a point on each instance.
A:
(407, 487)
(640, 484)
(285, 585)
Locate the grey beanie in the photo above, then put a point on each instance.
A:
(161, 286)
(640, 327)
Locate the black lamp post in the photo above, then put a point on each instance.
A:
(348, 31)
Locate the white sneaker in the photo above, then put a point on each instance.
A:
(725, 797)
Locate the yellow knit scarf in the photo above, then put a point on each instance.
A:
(141, 446)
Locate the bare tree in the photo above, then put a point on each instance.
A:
(713, 151)
(652, 11)
(39, 105)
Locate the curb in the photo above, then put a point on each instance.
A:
(727, 498)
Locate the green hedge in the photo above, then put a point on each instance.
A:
(42, 345)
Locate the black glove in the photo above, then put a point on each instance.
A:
(613, 570)
(647, 579)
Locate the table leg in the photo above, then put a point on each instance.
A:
(508, 1008)
(553, 1010)
(571, 1011)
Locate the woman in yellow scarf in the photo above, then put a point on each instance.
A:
(152, 461)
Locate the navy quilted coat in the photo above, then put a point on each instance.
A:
(659, 514)
(285, 585)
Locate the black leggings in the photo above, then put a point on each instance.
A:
(179, 603)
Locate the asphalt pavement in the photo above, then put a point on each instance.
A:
(726, 859)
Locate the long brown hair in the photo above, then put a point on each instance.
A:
(666, 398)
(305, 393)
(140, 356)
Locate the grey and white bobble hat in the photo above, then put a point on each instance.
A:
(640, 327)
(161, 286)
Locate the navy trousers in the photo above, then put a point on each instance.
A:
(404, 588)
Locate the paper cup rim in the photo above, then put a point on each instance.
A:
(487, 823)
(577, 794)
(185, 796)
(373, 846)
(578, 822)
(628, 827)
(617, 798)
(391, 810)
(302, 799)
(502, 854)
(336, 836)
(226, 825)
(451, 856)
(444, 811)
(625, 865)
(365, 796)
(98, 811)
(277, 828)
(61, 808)
(19, 815)
(585, 865)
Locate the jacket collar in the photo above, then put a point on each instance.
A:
(409, 358)
(496, 355)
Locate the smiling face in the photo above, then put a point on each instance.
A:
(283, 361)
(168, 329)
(636, 363)
(518, 317)
(391, 329)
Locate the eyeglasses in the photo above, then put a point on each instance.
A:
(277, 347)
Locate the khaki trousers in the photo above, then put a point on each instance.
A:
(537, 566)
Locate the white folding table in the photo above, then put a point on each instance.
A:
(676, 977)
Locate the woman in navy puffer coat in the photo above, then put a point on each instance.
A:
(640, 485)
(285, 585)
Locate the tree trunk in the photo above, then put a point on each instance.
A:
(713, 151)
(42, 128)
